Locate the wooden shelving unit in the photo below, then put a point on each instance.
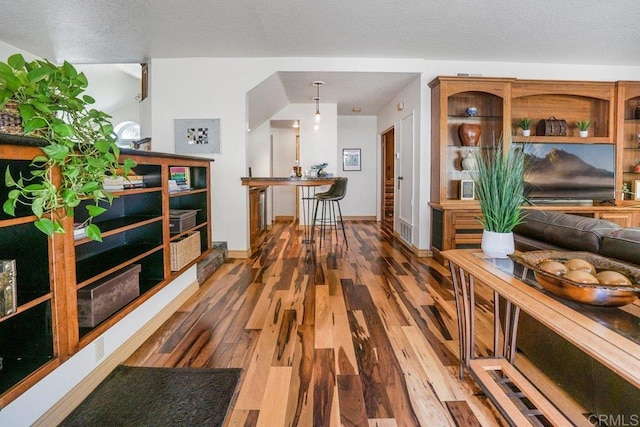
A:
(610, 106)
(44, 331)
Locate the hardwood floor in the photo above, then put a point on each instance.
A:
(364, 336)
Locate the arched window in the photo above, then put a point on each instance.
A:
(127, 132)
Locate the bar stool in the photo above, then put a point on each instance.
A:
(330, 199)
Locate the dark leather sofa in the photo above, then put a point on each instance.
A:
(596, 387)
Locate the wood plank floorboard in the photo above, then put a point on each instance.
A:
(357, 336)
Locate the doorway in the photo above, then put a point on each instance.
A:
(388, 179)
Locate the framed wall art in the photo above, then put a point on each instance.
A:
(197, 136)
(351, 159)
(467, 189)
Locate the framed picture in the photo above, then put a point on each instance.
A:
(351, 159)
(197, 136)
(467, 189)
(636, 189)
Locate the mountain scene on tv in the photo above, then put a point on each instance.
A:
(559, 174)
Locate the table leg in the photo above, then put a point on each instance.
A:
(465, 303)
(308, 193)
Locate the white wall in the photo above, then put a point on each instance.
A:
(284, 156)
(217, 88)
(362, 198)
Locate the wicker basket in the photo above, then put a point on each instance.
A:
(185, 250)
(10, 120)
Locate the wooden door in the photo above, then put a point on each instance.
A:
(388, 178)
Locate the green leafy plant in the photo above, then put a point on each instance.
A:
(499, 186)
(524, 123)
(79, 143)
(583, 124)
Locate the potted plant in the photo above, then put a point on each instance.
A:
(77, 139)
(524, 124)
(499, 188)
(583, 127)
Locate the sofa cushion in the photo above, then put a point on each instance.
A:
(623, 244)
(568, 231)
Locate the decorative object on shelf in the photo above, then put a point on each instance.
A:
(10, 120)
(499, 187)
(636, 168)
(626, 193)
(469, 162)
(351, 159)
(525, 124)
(467, 189)
(80, 143)
(197, 136)
(8, 297)
(297, 169)
(636, 189)
(636, 112)
(319, 169)
(583, 127)
(471, 111)
(469, 134)
(552, 127)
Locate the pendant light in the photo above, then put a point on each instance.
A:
(316, 98)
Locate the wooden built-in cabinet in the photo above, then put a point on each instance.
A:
(44, 331)
(612, 107)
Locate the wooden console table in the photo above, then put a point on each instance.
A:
(604, 344)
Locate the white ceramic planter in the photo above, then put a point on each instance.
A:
(497, 245)
(584, 133)
(526, 132)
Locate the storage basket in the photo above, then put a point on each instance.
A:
(10, 119)
(185, 250)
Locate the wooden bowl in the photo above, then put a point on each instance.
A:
(593, 294)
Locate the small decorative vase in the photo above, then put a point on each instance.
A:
(471, 111)
(469, 162)
(497, 245)
(526, 132)
(469, 134)
(636, 168)
(584, 133)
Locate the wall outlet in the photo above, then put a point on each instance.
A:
(99, 348)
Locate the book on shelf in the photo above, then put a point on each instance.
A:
(182, 176)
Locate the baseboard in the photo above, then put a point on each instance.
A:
(71, 400)
(283, 218)
(420, 253)
(239, 254)
(359, 218)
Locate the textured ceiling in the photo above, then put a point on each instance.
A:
(121, 31)
(548, 31)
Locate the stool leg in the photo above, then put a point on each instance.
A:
(344, 233)
(313, 224)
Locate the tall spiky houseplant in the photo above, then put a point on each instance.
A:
(499, 187)
(79, 143)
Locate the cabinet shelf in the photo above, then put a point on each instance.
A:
(563, 139)
(44, 330)
(119, 225)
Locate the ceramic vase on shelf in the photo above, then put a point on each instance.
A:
(497, 245)
(469, 162)
(584, 133)
(526, 132)
(469, 134)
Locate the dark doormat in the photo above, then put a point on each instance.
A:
(138, 396)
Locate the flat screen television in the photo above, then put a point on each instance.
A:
(569, 171)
